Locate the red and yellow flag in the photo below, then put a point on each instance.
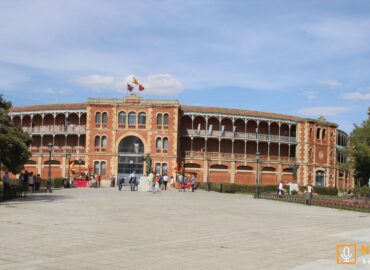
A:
(135, 81)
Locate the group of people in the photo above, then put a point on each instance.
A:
(157, 182)
(184, 182)
(29, 180)
(308, 193)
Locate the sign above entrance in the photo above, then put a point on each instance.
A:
(132, 99)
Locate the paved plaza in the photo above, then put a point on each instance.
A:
(106, 229)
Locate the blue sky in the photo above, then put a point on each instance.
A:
(304, 58)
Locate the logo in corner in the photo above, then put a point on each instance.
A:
(346, 253)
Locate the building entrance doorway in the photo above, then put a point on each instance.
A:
(130, 158)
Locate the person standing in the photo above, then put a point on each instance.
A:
(280, 189)
(165, 181)
(6, 184)
(193, 182)
(150, 180)
(31, 182)
(99, 180)
(309, 194)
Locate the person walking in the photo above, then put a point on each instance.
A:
(132, 181)
(193, 182)
(6, 184)
(120, 182)
(165, 181)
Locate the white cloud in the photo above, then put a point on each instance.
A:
(161, 84)
(95, 81)
(331, 83)
(355, 96)
(311, 95)
(323, 110)
(52, 91)
(156, 84)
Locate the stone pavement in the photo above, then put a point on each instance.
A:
(106, 229)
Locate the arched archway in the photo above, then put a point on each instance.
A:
(130, 157)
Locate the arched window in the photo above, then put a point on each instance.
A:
(323, 134)
(268, 169)
(164, 168)
(142, 118)
(103, 168)
(192, 165)
(159, 119)
(158, 143)
(320, 179)
(132, 118)
(104, 118)
(97, 141)
(158, 168)
(244, 168)
(104, 142)
(219, 167)
(96, 167)
(318, 131)
(97, 118)
(310, 153)
(165, 119)
(121, 119)
(310, 132)
(165, 143)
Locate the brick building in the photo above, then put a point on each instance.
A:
(116, 136)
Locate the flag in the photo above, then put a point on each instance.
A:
(141, 88)
(130, 88)
(135, 81)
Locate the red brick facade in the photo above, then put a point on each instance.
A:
(218, 145)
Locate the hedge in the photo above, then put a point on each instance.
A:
(235, 188)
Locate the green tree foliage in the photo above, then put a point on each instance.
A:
(14, 142)
(360, 140)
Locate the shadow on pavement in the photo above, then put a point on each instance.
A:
(32, 197)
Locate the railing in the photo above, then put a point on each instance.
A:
(63, 150)
(344, 204)
(218, 155)
(237, 135)
(55, 129)
(11, 193)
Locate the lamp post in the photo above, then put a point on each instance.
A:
(48, 184)
(79, 167)
(257, 174)
(68, 156)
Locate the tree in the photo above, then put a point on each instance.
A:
(360, 140)
(14, 142)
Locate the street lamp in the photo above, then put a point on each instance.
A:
(48, 184)
(79, 166)
(257, 174)
(68, 156)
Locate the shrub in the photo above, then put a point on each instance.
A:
(326, 191)
(55, 183)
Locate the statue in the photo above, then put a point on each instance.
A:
(294, 168)
(148, 160)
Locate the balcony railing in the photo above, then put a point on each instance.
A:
(55, 129)
(58, 150)
(217, 155)
(237, 135)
